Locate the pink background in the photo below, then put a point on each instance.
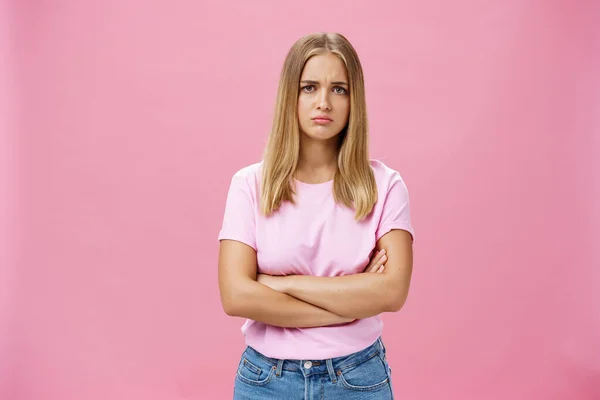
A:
(123, 121)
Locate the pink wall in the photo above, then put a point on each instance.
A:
(9, 196)
(134, 115)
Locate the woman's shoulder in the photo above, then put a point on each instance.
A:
(387, 178)
(251, 171)
(248, 178)
(383, 172)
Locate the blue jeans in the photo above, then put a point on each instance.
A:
(364, 375)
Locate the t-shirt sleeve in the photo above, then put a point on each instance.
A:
(239, 219)
(396, 209)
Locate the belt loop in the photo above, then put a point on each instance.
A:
(330, 370)
(382, 349)
(381, 344)
(279, 367)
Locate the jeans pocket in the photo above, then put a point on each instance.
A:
(254, 371)
(369, 375)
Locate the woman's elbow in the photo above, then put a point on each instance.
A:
(232, 304)
(396, 302)
(234, 300)
(229, 307)
(395, 306)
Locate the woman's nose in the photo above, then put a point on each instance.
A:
(323, 100)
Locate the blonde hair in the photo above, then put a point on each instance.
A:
(354, 182)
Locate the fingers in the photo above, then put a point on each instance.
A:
(377, 262)
(381, 258)
(373, 263)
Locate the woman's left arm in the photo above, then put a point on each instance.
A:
(361, 295)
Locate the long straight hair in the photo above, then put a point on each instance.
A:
(354, 182)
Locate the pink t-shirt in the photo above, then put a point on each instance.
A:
(314, 237)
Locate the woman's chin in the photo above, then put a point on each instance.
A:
(321, 134)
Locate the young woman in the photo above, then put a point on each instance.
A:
(316, 239)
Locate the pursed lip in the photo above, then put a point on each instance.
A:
(323, 117)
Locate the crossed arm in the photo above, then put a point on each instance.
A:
(309, 301)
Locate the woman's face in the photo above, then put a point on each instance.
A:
(324, 91)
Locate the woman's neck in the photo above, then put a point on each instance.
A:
(317, 161)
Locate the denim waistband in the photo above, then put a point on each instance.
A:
(325, 365)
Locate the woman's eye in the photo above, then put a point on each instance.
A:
(337, 89)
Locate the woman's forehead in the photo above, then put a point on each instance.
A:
(324, 68)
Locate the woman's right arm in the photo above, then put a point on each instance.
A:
(243, 296)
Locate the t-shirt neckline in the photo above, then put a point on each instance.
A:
(313, 185)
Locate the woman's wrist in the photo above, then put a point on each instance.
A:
(278, 283)
(285, 283)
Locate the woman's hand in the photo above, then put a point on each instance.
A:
(377, 264)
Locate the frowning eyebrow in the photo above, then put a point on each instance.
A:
(333, 83)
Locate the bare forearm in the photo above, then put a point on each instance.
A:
(382, 287)
(261, 303)
(353, 296)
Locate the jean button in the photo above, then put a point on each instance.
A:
(307, 364)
